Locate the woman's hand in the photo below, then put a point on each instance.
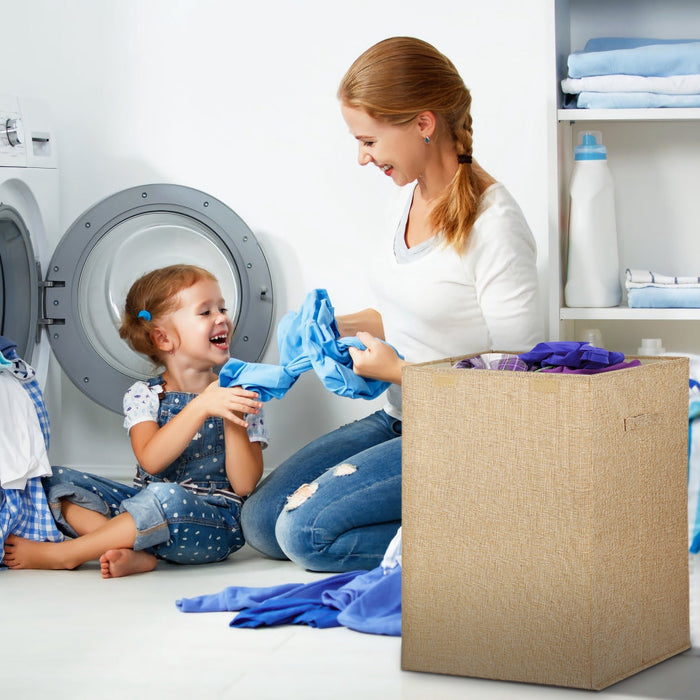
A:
(378, 361)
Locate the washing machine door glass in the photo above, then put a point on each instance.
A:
(19, 293)
(122, 238)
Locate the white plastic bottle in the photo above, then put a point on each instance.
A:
(593, 277)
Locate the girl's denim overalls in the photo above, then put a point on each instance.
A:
(187, 514)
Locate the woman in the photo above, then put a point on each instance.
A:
(458, 276)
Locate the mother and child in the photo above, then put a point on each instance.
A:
(456, 275)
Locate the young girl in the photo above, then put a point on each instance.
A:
(198, 445)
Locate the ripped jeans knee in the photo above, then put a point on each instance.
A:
(306, 491)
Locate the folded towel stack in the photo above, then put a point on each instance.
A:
(647, 289)
(613, 73)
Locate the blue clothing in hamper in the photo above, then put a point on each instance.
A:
(364, 601)
(308, 339)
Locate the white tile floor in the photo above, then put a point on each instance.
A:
(70, 634)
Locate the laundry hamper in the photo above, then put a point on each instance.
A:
(544, 522)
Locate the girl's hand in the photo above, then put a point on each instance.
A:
(229, 402)
(378, 361)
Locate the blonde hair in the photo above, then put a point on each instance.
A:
(156, 294)
(397, 79)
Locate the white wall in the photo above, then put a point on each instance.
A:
(238, 99)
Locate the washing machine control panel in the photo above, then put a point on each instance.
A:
(14, 130)
(12, 148)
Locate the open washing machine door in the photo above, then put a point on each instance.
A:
(121, 238)
(19, 283)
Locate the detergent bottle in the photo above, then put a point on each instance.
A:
(593, 277)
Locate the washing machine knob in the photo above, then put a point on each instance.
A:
(15, 131)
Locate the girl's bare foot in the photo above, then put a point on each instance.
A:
(124, 562)
(21, 553)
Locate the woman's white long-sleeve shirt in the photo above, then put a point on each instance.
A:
(436, 302)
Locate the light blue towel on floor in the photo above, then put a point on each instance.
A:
(307, 339)
(650, 60)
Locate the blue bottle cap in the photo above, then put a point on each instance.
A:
(590, 149)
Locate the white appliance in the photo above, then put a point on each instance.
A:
(62, 292)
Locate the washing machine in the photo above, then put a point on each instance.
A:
(61, 292)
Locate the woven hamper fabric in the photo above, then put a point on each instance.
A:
(544, 522)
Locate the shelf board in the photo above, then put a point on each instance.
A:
(636, 115)
(624, 313)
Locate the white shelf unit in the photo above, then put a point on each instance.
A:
(654, 156)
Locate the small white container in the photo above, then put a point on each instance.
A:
(593, 276)
(651, 346)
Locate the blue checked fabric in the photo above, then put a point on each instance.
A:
(26, 512)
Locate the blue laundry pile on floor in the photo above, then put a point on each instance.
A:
(307, 339)
(613, 73)
(364, 601)
(647, 289)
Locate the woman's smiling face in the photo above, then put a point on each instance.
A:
(399, 151)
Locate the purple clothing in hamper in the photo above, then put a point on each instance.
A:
(570, 354)
(592, 370)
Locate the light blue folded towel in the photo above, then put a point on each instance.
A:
(611, 43)
(659, 59)
(663, 298)
(634, 100)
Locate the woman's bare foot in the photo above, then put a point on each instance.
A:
(124, 562)
(21, 553)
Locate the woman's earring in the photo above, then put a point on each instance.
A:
(427, 139)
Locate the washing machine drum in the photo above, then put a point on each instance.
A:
(125, 236)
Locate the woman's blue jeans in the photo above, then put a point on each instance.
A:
(334, 505)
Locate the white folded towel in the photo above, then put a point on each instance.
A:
(669, 85)
(635, 279)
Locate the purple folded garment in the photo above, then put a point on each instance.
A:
(570, 354)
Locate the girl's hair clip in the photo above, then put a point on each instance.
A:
(144, 315)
